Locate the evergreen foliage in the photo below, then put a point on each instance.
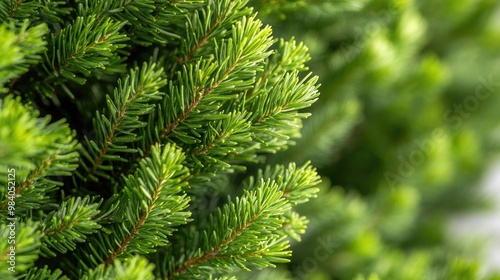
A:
(163, 139)
(128, 127)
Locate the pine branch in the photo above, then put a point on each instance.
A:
(201, 87)
(168, 19)
(219, 143)
(116, 132)
(210, 23)
(288, 56)
(18, 9)
(294, 226)
(239, 234)
(53, 12)
(81, 48)
(233, 57)
(19, 49)
(156, 190)
(150, 21)
(233, 234)
(48, 151)
(35, 10)
(59, 160)
(298, 184)
(278, 122)
(18, 145)
(72, 223)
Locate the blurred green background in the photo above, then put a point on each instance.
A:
(404, 130)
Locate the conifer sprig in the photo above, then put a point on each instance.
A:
(59, 159)
(150, 206)
(16, 11)
(79, 49)
(210, 23)
(298, 184)
(13, 9)
(49, 151)
(233, 234)
(118, 127)
(150, 21)
(239, 234)
(221, 141)
(71, 223)
(238, 57)
(288, 56)
(202, 87)
(277, 115)
(20, 48)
